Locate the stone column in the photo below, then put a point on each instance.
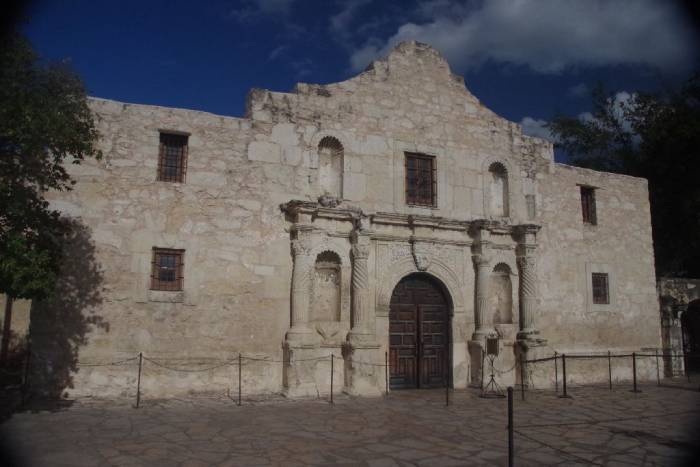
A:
(300, 332)
(363, 317)
(528, 295)
(483, 273)
(527, 263)
(482, 264)
(362, 356)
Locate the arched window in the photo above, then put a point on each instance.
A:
(501, 295)
(326, 288)
(330, 166)
(498, 190)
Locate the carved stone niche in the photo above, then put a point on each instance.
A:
(326, 287)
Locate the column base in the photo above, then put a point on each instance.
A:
(363, 370)
(302, 337)
(300, 370)
(477, 349)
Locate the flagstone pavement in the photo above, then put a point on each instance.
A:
(595, 427)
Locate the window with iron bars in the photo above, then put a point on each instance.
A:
(601, 293)
(421, 180)
(172, 159)
(167, 269)
(588, 205)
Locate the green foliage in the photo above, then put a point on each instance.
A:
(45, 122)
(655, 136)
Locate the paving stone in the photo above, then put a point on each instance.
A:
(409, 428)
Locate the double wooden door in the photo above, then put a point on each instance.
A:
(418, 334)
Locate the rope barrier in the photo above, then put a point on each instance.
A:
(187, 370)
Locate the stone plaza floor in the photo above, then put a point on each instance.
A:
(657, 426)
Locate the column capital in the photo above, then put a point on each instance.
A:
(481, 259)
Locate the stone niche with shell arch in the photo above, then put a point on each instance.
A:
(329, 297)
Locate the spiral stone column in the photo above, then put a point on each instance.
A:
(362, 356)
(362, 323)
(301, 288)
(528, 292)
(528, 295)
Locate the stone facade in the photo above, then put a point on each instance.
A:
(295, 231)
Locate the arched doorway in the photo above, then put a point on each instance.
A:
(690, 326)
(419, 317)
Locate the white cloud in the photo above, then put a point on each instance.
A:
(340, 22)
(536, 127)
(548, 35)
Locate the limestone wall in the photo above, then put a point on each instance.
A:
(238, 264)
(570, 250)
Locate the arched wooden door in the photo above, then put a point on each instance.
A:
(418, 334)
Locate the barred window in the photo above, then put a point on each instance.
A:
(421, 180)
(601, 294)
(588, 205)
(167, 269)
(172, 160)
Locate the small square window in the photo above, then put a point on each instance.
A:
(167, 269)
(421, 180)
(172, 159)
(601, 292)
(588, 205)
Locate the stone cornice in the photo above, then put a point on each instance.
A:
(305, 212)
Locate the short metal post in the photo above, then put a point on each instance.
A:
(27, 368)
(609, 371)
(563, 375)
(634, 372)
(556, 374)
(332, 360)
(240, 372)
(510, 427)
(386, 372)
(658, 374)
(138, 381)
(522, 377)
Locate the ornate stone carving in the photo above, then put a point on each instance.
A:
(399, 250)
(363, 317)
(422, 254)
(328, 201)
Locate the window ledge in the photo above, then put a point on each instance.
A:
(166, 296)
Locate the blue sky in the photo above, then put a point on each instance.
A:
(524, 59)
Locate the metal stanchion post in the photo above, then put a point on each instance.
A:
(483, 362)
(522, 377)
(609, 371)
(27, 368)
(332, 359)
(634, 372)
(658, 375)
(510, 427)
(240, 367)
(138, 381)
(556, 374)
(563, 375)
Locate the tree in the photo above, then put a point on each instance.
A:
(45, 122)
(655, 136)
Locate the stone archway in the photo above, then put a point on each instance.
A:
(419, 333)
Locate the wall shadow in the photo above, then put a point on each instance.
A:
(59, 325)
